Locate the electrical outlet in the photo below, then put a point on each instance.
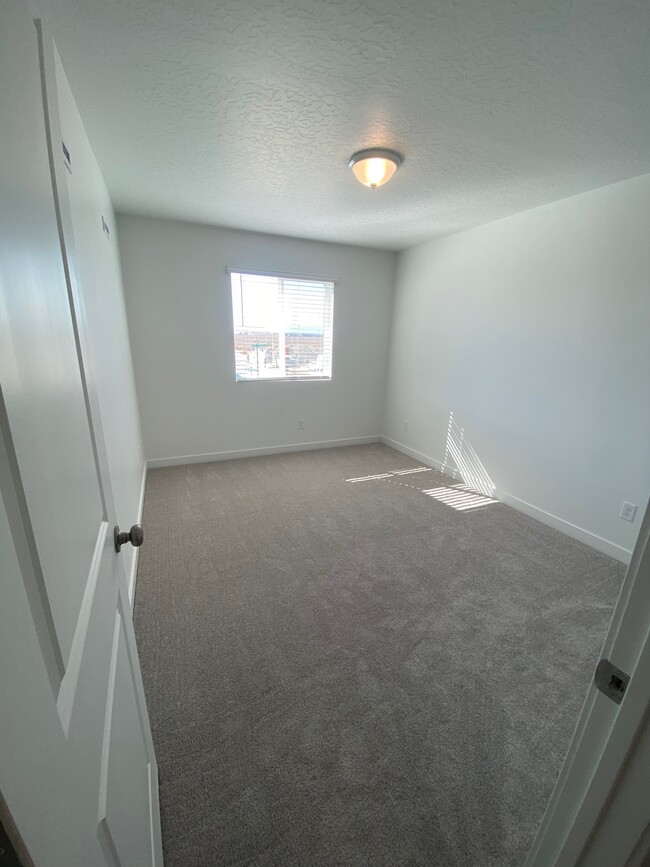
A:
(301, 424)
(405, 425)
(628, 512)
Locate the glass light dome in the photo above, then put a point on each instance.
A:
(375, 166)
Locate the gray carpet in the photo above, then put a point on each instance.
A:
(355, 673)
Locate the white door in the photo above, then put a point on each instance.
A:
(77, 768)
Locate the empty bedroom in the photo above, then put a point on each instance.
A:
(325, 424)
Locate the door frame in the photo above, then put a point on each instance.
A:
(602, 748)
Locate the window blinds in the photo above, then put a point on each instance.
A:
(282, 327)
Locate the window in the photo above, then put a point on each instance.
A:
(282, 326)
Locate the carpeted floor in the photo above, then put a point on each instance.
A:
(353, 672)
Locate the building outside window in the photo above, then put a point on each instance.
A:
(283, 326)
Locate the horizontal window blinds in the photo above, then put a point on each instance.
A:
(282, 327)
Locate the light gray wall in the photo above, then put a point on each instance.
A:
(180, 320)
(534, 331)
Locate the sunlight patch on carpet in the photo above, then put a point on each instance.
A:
(463, 498)
(459, 497)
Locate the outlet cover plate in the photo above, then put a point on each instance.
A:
(628, 512)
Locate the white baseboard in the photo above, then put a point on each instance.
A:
(136, 551)
(566, 527)
(569, 529)
(153, 463)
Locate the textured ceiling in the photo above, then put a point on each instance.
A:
(243, 113)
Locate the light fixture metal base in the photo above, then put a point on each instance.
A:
(376, 153)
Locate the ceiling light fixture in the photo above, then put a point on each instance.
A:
(374, 166)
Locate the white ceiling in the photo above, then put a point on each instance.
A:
(243, 113)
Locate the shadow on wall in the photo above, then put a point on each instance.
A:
(461, 457)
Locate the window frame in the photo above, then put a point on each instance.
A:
(281, 275)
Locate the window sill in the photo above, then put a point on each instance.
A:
(286, 379)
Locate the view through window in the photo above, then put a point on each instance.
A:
(282, 327)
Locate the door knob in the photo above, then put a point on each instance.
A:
(135, 536)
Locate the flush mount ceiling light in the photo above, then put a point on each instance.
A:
(374, 166)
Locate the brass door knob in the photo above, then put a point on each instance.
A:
(135, 536)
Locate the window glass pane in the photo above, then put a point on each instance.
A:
(282, 327)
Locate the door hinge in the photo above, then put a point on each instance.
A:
(611, 681)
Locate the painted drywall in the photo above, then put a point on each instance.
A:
(533, 331)
(180, 320)
(98, 264)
